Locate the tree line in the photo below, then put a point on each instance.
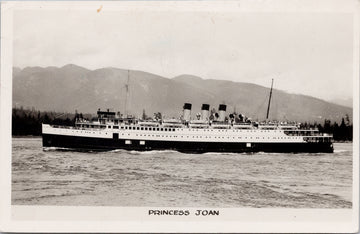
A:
(28, 122)
(341, 132)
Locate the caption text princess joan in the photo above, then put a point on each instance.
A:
(184, 212)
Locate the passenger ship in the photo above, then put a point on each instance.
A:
(206, 133)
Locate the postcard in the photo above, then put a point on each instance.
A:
(179, 116)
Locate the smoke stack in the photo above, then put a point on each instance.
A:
(205, 111)
(222, 112)
(187, 111)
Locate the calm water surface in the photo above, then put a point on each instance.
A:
(169, 178)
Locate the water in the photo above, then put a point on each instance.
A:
(169, 178)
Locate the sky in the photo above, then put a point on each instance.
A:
(307, 53)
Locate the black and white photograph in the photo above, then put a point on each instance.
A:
(187, 111)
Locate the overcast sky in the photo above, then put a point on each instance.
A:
(308, 53)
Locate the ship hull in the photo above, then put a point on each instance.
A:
(106, 144)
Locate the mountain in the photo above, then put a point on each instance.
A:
(71, 88)
(343, 101)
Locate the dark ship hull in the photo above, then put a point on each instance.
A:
(107, 144)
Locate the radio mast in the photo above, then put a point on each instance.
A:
(268, 109)
(127, 91)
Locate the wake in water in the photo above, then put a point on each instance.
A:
(219, 153)
(341, 151)
(149, 152)
(47, 149)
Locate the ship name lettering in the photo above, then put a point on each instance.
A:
(207, 212)
(169, 212)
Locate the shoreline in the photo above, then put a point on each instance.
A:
(25, 136)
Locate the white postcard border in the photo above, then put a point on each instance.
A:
(136, 219)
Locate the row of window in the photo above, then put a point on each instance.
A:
(222, 137)
(173, 129)
(144, 128)
(302, 133)
(91, 132)
(206, 137)
(317, 139)
(92, 126)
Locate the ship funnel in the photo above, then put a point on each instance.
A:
(222, 112)
(187, 111)
(205, 111)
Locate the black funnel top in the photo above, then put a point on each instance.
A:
(222, 107)
(187, 106)
(205, 107)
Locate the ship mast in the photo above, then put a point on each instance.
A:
(268, 109)
(127, 91)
